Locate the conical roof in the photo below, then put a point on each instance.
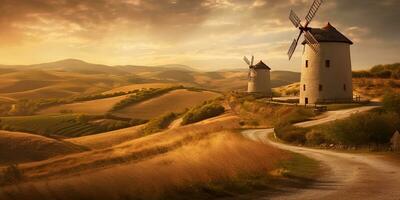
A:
(261, 65)
(329, 33)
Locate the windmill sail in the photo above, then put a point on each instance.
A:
(313, 10)
(247, 60)
(294, 19)
(292, 48)
(311, 41)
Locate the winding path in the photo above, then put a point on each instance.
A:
(348, 176)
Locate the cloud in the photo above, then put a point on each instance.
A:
(183, 29)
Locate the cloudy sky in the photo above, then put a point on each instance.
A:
(206, 34)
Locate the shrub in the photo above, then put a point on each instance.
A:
(362, 74)
(200, 113)
(316, 137)
(135, 122)
(142, 96)
(384, 74)
(159, 123)
(290, 133)
(11, 175)
(364, 128)
(391, 102)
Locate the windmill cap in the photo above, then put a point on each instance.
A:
(328, 33)
(261, 65)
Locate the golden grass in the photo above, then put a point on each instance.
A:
(221, 156)
(128, 88)
(108, 139)
(375, 88)
(129, 151)
(17, 147)
(95, 107)
(289, 90)
(174, 101)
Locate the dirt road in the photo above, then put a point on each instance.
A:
(348, 176)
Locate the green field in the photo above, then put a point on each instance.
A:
(68, 125)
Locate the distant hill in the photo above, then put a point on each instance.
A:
(72, 77)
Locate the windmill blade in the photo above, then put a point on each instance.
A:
(311, 41)
(292, 49)
(246, 60)
(252, 60)
(293, 46)
(313, 10)
(294, 19)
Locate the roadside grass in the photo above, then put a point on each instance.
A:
(333, 107)
(300, 168)
(257, 114)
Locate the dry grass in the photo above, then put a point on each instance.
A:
(94, 107)
(108, 139)
(128, 88)
(17, 147)
(174, 101)
(375, 88)
(289, 90)
(217, 157)
(129, 151)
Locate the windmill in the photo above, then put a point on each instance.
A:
(309, 38)
(252, 72)
(326, 74)
(258, 77)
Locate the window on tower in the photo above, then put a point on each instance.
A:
(304, 87)
(306, 63)
(344, 87)
(320, 87)
(327, 63)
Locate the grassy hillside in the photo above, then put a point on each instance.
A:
(17, 147)
(162, 166)
(108, 139)
(66, 125)
(93, 107)
(375, 88)
(131, 87)
(258, 113)
(174, 101)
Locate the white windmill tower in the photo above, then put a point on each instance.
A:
(326, 74)
(258, 77)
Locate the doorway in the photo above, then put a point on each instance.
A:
(306, 100)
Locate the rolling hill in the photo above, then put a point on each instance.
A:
(72, 77)
(174, 101)
(93, 107)
(18, 147)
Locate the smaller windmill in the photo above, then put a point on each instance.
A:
(258, 77)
